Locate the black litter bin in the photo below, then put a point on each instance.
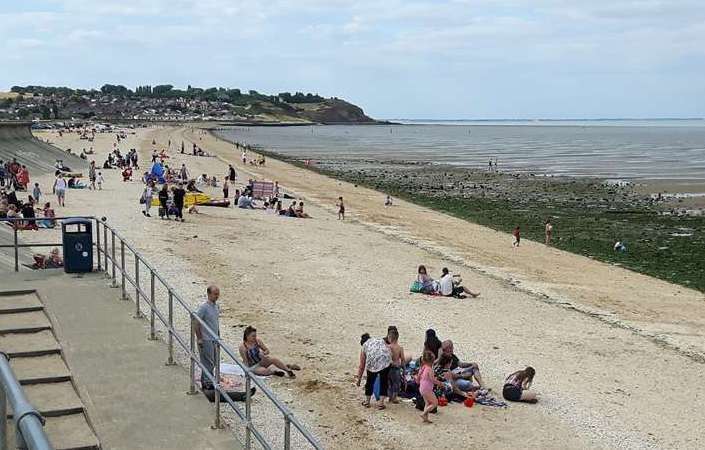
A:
(77, 238)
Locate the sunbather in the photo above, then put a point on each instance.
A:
(256, 355)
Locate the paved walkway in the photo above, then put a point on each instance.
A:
(133, 400)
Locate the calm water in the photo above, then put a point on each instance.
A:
(654, 150)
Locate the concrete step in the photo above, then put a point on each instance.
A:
(29, 344)
(24, 322)
(19, 301)
(40, 369)
(54, 399)
(70, 432)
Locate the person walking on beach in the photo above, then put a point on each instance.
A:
(341, 209)
(231, 173)
(226, 188)
(375, 360)
(426, 380)
(209, 313)
(179, 194)
(183, 173)
(100, 180)
(517, 237)
(91, 175)
(59, 189)
(549, 231)
(147, 198)
(36, 192)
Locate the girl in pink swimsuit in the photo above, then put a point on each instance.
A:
(426, 380)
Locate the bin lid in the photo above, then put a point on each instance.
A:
(76, 220)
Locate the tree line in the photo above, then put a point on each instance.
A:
(235, 96)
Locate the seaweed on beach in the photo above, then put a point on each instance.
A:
(589, 216)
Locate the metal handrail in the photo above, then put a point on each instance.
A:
(29, 423)
(110, 257)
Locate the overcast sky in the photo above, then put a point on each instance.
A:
(395, 58)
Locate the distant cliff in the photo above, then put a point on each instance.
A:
(165, 103)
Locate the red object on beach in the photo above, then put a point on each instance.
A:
(442, 401)
(469, 402)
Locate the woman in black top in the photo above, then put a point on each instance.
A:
(163, 199)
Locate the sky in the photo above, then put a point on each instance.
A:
(443, 59)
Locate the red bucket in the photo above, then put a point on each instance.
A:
(469, 402)
(442, 401)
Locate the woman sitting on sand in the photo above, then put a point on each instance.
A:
(300, 211)
(516, 386)
(256, 355)
(425, 280)
(432, 343)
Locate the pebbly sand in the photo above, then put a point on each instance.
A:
(619, 356)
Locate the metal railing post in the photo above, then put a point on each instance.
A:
(248, 412)
(287, 432)
(170, 360)
(122, 269)
(216, 385)
(113, 258)
(3, 417)
(97, 243)
(137, 288)
(17, 249)
(192, 355)
(105, 249)
(152, 334)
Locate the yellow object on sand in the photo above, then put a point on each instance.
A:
(191, 198)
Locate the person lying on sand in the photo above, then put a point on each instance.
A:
(516, 386)
(256, 355)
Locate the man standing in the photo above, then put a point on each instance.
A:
(179, 194)
(208, 312)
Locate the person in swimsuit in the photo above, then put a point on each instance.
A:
(549, 231)
(426, 381)
(256, 355)
(516, 386)
(341, 209)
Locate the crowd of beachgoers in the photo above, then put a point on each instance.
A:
(433, 378)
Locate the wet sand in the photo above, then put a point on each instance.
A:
(619, 355)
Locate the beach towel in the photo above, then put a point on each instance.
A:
(484, 398)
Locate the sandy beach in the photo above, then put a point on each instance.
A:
(619, 355)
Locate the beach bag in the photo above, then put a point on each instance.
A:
(416, 287)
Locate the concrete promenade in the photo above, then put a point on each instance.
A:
(133, 400)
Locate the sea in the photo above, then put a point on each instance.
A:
(619, 150)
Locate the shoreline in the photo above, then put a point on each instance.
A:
(585, 206)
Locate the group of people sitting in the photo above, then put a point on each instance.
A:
(13, 208)
(437, 374)
(448, 285)
(117, 160)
